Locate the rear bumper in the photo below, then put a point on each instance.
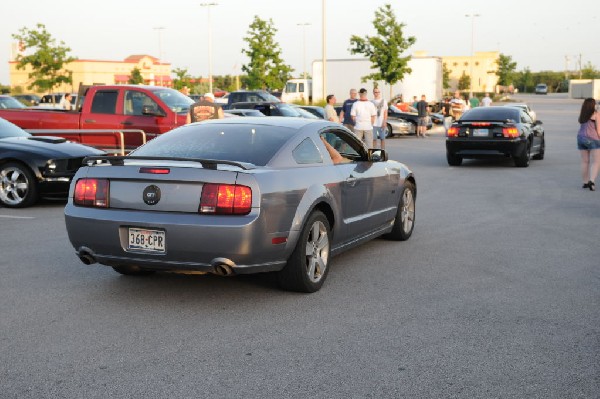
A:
(193, 242)
(470, 148)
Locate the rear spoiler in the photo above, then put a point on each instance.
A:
(206, 163)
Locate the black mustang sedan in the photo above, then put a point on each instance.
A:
(35, 166)
(495, 131)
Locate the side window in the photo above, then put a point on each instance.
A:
(105, 102)
(307, 152)
(344, 144)
(525, 118)
(301, 90)
(135, 101)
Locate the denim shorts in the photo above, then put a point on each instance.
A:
(584, 143)
(378, 133)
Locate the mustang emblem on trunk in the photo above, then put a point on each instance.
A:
(151, 195)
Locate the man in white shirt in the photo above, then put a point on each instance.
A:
(487, 101)
(380, 125)
(363, 114)
(65, 102)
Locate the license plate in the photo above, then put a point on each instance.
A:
(480, 132)
(146, 240)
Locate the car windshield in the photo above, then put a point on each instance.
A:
(9, 102)
(176, 101)
(288, 110)
(239, 142)
(7, 129)
(491, 114)
(269, 97)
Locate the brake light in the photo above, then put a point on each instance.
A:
(480, 124)
(452, 132)
(91, 192)
(156, 171)
(510, 132)
(225, 199)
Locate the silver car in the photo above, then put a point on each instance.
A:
(239, 195)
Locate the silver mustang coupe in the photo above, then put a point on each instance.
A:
(239, 195)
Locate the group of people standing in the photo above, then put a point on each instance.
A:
(367, 119)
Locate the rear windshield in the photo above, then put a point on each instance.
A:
(255, 144)
(491, 114)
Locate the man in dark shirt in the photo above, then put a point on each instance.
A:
(345, 116)
(205, 109)
(422, 121)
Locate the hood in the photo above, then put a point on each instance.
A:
(54, 147)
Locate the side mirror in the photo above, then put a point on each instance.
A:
(377, 155)
(151, 110)
(537, 122)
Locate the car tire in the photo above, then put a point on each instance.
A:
(453, 159)
(18, 186)
(389, 131)
(540, 155)
(307, 267)
(404, 223)
(522, 160)
(132, 271)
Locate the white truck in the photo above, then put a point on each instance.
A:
(345, 74)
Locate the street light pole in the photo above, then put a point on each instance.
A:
(472, 16)
(304, 25)
(324, 55)
(159, 29)
(210, 80)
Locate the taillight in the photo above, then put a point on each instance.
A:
(91, 192)
(225, 199)
(452, 132)
(480, 124)
(510, 132)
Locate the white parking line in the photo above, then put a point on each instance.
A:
(16, 217)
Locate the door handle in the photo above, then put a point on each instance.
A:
(90, 121)
(351, 181)
(126, 123)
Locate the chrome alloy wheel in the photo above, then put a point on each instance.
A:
(317, 251)
(14, 186)
(407, 213)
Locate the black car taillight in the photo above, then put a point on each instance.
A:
(225, 199)
(92, 193)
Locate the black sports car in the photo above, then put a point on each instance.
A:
(36, 166)
(492, 131)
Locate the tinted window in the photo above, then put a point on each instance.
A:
(9, 102)
(255, 144)
(104, 102)
(290, 87)
(491, 114)
(175, 100)
(307, 152)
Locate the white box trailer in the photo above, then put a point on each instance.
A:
(345, 74)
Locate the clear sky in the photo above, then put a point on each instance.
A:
(538, 34)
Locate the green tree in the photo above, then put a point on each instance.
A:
(446, 76)
(524, 81)
(266, 69)
(464, 82)
(46, 58)
(506, 70)
(183, 78)
(136, 77)
(589, 72)
(385, 50)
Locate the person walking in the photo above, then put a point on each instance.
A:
(422, 117)
(380, 125)
(474, 102)
(205, 109)
(345, 116)
(330, 113)
(363, 114)
(588, 143)
(457, 105)
(446, 113)
(487, 101)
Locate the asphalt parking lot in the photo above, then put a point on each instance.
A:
(496, 295)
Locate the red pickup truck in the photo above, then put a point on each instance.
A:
(153, 109)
